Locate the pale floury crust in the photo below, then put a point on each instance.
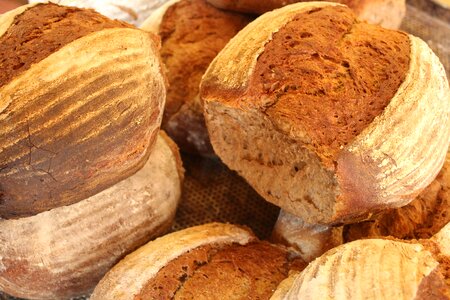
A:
(129, 276)
(64, 252)
(374, 269)
(404, 146)
(123, 62)
(131, 11)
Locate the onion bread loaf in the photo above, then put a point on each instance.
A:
(192, 33)
(64, 252)
(330, 118)
(131, 11)
(387, 13)
(420, 219)
(376, 269)
(81, 100)
(212, 261)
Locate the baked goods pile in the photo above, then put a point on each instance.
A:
(343, 124)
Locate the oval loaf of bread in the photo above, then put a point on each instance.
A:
(81, 101)
(211, 261)
(64, 252)
(328, 117)
(376, 269)
(192, 33)
(387, 13)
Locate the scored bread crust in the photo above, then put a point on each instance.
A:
(64, 252)
(63, 143)
(404, 146)
(386, 269)
(387, 13)
(129, 276)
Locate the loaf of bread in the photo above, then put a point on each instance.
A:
(192, 33)
(387, 13)
(330, 118)
(131, 11)
(64, 252)
(376, 269)
(211, 261)
(420, 219)
(81, 104)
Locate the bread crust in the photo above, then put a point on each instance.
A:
(386, 269)
(78, 121)
(388, 14)
(64, 252)
(192, 33)
(130, 275)
(404, 146)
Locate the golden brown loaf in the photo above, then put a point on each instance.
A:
(387, 13)
(420, 219)
(212, 261)
(330, 118)
(64, 252)
(81, 100)
(192, 33)
(376, 269)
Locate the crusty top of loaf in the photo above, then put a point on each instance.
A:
(249, 271)
(192, 33)
(262, 6)
(329, 75)
(42, 30)
(130, 275)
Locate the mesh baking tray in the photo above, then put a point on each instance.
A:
(212, 192)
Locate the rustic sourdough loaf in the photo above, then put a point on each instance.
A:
(131, 11)
(192, 33)
(81, 100)
(64, 252)
(330, 118)
(387, 13)
(376, 269)
(212, 261)
(420, 219)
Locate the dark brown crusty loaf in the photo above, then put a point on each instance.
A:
(325, 115)
(192, 33)
(212, 261)
(387, 13)
(80, 105)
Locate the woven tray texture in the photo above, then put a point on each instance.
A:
(212, 192)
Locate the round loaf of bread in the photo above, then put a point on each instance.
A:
(192, 33)
(376, 269)
(81, 101)
(212, 261)
(421, 219)
(330, 118)
(387, 13)
(131, 11)
(64, 252)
